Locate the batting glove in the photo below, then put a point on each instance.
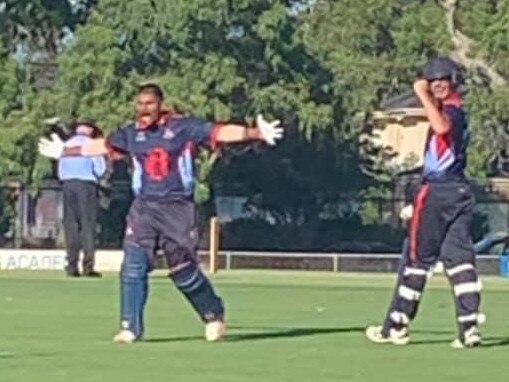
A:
(269, 130)
(406, 212)
(51, 148)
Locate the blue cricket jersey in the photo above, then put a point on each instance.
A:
(163, 154)
(445, 156)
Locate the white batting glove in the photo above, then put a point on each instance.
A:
(406, 212)
(51, 148)
(269, 130)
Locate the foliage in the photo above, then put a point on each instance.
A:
(320, 66)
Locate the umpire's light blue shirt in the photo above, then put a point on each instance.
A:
(80, 168)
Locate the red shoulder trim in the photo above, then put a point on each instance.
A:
(454, 99)
(216, 127)
(114, 153)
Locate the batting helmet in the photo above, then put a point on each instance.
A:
(442, 67)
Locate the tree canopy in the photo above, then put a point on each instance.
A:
(320, 66)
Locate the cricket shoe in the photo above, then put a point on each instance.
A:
(215, 331)
(124, 337)
(395, 337)
(472, 338)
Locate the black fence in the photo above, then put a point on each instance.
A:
(31, 218)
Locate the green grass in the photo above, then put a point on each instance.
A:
(284, 326)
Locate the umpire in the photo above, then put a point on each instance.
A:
(79, 177)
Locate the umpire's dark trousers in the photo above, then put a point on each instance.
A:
(80, 216)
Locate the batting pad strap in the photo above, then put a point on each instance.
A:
(399, 318)
(464, 288)
(409, 293)
(195, 286)
(460, 268)
(414, 272)
(193, 280)
(474, 317)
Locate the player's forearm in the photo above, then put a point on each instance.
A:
(94, 147)
(439, 123)
(230, 133)
(72, 151)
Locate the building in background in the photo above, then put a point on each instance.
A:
(399, 130)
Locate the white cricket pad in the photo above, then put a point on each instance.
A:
(414, 272)
(459, 269)
(464, 288)
(408, 293)
(400, 318)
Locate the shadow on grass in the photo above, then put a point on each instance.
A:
(434, 332)
(431, 342)
(262, 333)
(488, 342)
(492, 342)
(8, 355)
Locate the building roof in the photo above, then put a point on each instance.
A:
(407, 100)
(401, 101)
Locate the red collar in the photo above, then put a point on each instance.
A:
(454, 99)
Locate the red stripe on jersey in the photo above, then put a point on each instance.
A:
(416, 221)
(192, 147)
(443, 142)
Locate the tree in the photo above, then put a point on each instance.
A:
(40, 25)
(10, 83)
(483, 27)
(319, 66)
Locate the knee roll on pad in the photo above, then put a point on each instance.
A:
(134, 265)
(415, 282)
(176, 257)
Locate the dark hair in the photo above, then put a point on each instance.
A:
(151, 88)
(96, 130)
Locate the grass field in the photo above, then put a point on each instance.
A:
(284, 326)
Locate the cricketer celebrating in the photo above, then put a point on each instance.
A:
(441, 217)
(161, 144)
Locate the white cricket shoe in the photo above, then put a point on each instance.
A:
(124, 337)
(215, 331)
(472, 339)
(396, 337)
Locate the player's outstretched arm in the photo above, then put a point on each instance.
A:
(266, 131)
(54, 148)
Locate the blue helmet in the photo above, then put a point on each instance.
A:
(442, 67)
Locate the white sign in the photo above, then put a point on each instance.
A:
(53, 260)
(31, 260)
